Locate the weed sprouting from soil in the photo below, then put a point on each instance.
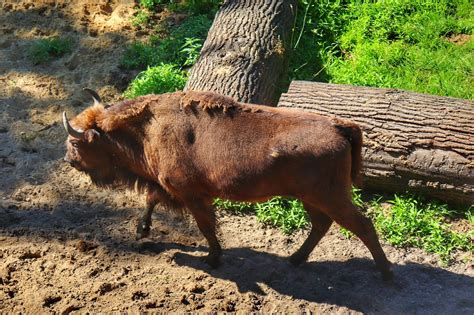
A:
(141, 17)
(46, 49)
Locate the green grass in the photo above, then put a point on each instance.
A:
(286, 214)
(138, 56)
(411, 221)
(156, 80)
(394, 44)
(470, 215)
(44, 50)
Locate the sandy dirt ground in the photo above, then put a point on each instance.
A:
(67, 247)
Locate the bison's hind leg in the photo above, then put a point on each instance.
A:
(203, 213)
(320, 224)
(349, 217)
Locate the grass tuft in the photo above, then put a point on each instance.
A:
(138, 56)
(142, 17)
(284, 213)
(46, 49)
(236, 207)
(287, 214)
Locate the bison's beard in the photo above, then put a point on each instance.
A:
(117, 179)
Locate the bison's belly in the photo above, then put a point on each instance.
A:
(256, 185)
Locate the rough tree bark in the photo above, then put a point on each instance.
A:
(413, 141)
(246, 51)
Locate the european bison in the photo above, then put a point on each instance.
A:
(187, 148)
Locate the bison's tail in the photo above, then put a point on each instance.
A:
(353, 134)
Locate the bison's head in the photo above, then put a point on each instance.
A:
(86, 152)
(86, 146)
(102, 141)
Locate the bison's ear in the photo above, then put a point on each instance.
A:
(91, 135)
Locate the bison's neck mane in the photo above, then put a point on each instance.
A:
(127, 167)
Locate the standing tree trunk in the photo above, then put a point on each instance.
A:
(245, 54)
(413, 141)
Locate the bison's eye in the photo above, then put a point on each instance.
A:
(75, 144)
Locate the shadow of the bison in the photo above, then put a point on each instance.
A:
(354, 283)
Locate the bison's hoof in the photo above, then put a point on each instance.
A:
(212, 261)
(143, 231)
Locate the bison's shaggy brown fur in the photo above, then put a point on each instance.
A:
(187, 148)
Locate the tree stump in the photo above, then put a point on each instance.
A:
(245, 55)
(415, 142)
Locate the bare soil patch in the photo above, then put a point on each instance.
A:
(68, 247)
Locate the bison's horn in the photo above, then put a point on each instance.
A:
(94, 95)
(70, 130)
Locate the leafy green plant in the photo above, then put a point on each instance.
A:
(193, 29)
(357, 200)
(159, 79)
(46, 49)
(191, 50)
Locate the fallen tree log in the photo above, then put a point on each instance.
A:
(245, 53)
(416, 142)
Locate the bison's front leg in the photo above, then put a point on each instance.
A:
(203, 213)
(144, 224)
